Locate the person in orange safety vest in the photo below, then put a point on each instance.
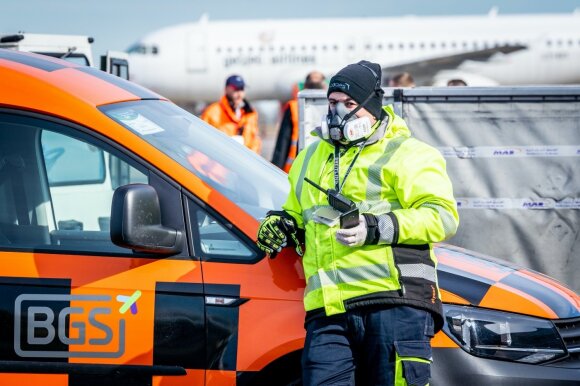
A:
(234, 116)
(287, 142)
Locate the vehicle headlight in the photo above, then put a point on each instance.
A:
(503, 335)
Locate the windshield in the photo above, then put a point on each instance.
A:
(245, 178)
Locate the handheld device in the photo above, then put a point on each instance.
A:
(348, 210)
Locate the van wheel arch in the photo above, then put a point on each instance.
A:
(284, 371)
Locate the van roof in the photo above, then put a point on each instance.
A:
(38, 82)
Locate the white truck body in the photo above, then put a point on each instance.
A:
(73, 48)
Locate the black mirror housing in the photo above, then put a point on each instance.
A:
(136, 222)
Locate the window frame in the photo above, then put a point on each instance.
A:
(194, 237)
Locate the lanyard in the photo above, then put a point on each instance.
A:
(337, 186)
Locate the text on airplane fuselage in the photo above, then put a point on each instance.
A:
(246, 60)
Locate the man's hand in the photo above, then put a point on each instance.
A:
(365, 233)
(274, 232)
(270, 237)
(353, 237)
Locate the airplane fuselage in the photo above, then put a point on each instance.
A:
(190, 62)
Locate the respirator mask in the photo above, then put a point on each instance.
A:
(343, 126)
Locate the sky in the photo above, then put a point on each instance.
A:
(116, 24)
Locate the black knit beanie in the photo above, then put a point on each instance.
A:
(358, 82)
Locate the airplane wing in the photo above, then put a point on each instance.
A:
(423, 71)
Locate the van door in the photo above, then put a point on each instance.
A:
(75, 307)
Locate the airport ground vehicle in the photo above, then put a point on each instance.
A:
(73, 48)
(189, 299)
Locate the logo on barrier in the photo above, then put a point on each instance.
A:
(507, 152)
(538, 204)
(97, 325)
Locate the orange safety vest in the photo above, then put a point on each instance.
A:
(221, 116)
(293, 150)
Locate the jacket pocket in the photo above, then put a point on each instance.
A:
(413, 363)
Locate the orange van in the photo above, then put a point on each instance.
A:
(128, 257)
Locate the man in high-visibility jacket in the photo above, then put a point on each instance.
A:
(287, 141)
(371, 297)
(233, 115)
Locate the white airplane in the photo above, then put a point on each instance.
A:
(190, 62)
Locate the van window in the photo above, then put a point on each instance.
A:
(77, 176)
(56, 187)
(212, 240)
(71, 162)
(219, 161)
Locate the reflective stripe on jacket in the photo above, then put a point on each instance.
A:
(398, 175)
(221, 116)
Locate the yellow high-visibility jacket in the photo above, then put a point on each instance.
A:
(402, 181)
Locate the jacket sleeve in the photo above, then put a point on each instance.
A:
(429, 210)
(292, 205)
(251, 133)
(210, 115)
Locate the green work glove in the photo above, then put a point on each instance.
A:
(274, 232)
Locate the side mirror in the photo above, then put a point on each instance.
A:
(136, 222)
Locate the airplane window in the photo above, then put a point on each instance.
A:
(475, 45)
(154, 50)
(282, 48)
(229, 49)
(324, 48)
(433, 45)
(422, 45)
(379, 46)
(367, 46)
(391, 46)
(250, 49)
(453, 44)
(351, 47)
(464, 44)
(570, 42)
(271, 48)
(303, 48)
(137, 49)
(218, 50)
(313, 48)
(335, 47)
(443, 45)
(559, 43)
(401, 46)
(240, 49)
(411, 45)
(548, 42)
(292, 48)
(261, 48)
